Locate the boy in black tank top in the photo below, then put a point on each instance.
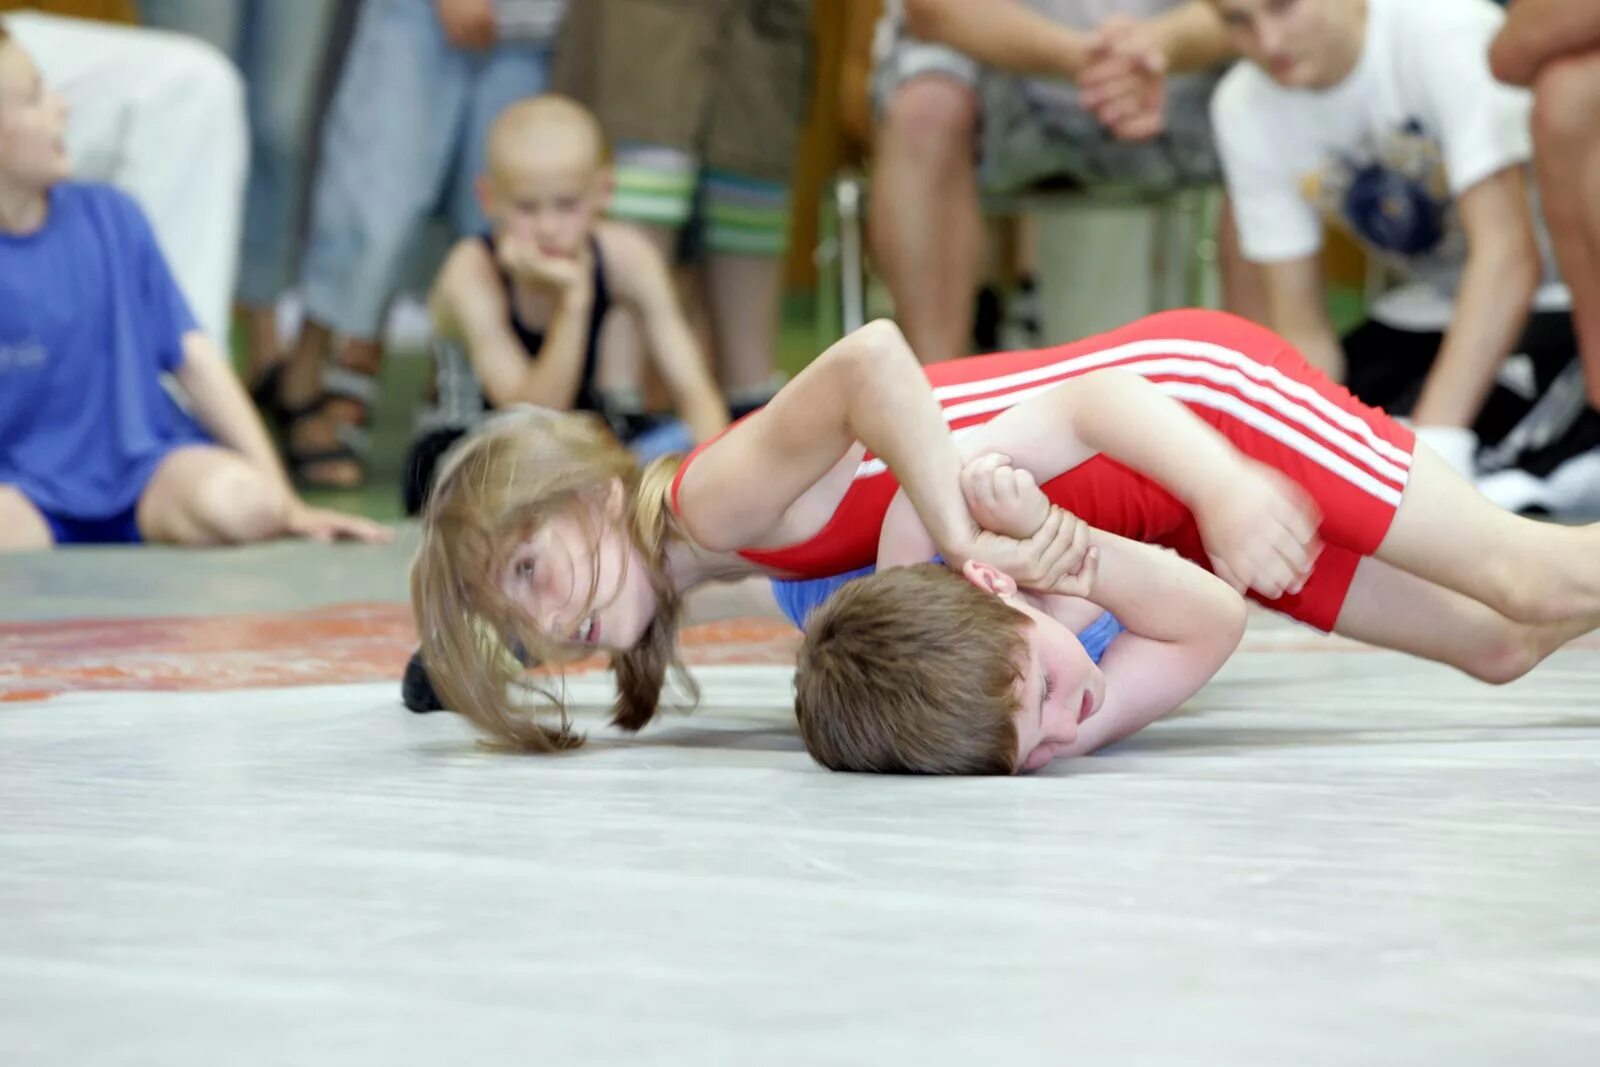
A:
(518, 312)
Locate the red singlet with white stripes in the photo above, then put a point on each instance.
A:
(1242, 379)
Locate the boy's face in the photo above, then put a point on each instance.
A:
(1297, 42)
(550, 203)
(33, 123)
(1060, 687)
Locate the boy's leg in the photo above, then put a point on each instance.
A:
(22, 527)
(655, 193)
(746, 233)
(204, 495)
(1444, 530)
(1392, 609)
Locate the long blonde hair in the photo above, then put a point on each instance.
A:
(494, 488)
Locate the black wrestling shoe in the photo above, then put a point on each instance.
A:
(416, 688)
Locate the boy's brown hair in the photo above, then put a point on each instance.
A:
(911, 671)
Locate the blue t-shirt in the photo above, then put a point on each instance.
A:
(799, 599)
(90, 317)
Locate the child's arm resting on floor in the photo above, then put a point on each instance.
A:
(224, 409)
(1182, 625)
(469, 302)
(639, 276)
(1259, 527)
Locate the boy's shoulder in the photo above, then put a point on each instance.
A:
(100, 200)
(95, 194)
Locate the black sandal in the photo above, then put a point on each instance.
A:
(300, 460)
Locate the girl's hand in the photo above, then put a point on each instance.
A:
(1003, 499)
(1056, 559)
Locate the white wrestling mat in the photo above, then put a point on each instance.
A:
(1332, 857)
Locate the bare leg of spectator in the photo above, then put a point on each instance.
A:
(745, 296)
(204, 495)
(22, 528)
(1566, 128)
(926, 223)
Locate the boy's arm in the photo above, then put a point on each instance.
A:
(224, 409)
(1538, 31)
(469, 302)
(639, 276)
(1182, 625)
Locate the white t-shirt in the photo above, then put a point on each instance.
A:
(1383, 154)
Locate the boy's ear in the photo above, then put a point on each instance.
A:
(988, 578)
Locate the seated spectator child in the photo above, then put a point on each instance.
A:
(518, 312)
(92, 447)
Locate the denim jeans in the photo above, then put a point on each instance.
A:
(279, 47)
(404, 138)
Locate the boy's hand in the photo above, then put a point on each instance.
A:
(1003, 499)
(1260, 530)
(326, 526)
(524, 261)
(468, 24)
(1053, 560)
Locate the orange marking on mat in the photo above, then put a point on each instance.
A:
(22, 696)
(332, 645)
(346, 643)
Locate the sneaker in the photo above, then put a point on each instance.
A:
(1516, 490)
(1575, 486)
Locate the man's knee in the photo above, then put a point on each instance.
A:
(22, 526)
(1566, 107)
(933, 120)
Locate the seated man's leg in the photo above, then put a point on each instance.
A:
(926, 222)
(22, 527)
(160, 115)
(204, 495)
(1566, 130)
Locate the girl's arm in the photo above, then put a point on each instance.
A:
(867, 387)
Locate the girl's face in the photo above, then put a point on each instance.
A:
(581, 581)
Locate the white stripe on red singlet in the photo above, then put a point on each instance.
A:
(1368, 462)
(1178, 347)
